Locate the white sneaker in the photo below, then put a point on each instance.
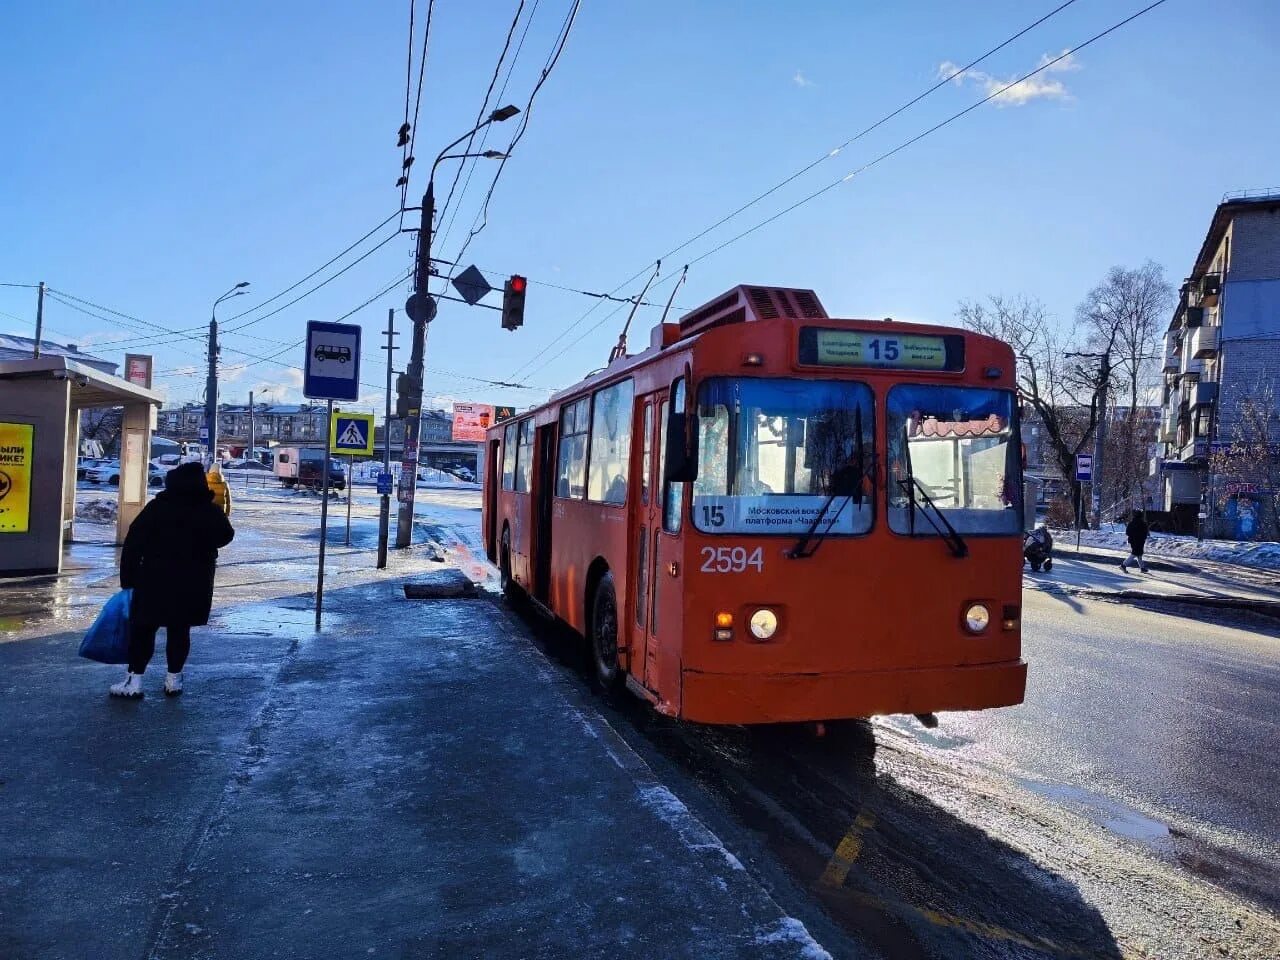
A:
(130, 686)
(172, 684)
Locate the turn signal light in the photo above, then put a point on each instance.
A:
(724, 625)
(1012, 614)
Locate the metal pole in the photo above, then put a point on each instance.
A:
(253, 455)
(1100, 439)
(35, 352)
(324, 517)
(211, 392)
(384, 509)
(413, 413)
(350, 460)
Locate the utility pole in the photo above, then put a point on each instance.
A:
(421, 310)
(35, 353)
(211, 393)
(253, 454)
(1100, 436)
(384, 510)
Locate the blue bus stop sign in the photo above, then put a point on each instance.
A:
(384, 484)
(1084, 467)
(331, 369)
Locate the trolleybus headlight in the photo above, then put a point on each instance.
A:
(763, 624)
(976, 618)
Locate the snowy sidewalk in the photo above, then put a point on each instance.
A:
(411, 782)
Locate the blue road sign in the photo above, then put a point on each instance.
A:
(352, 433)
(384, 484)
(1084, 467)
(331, 370)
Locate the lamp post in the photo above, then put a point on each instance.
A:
(211, 386)
(421, 309)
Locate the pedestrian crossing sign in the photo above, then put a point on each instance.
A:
(352, 434)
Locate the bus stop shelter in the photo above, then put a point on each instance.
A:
(40, 404)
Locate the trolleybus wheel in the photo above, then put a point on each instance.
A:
(504, 567)
(604, 633)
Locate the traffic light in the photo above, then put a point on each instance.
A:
(513, 302)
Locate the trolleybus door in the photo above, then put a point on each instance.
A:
(544, 486)
(646, 524)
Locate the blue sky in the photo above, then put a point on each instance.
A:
(157, 153)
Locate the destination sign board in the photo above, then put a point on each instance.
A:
(825, 347)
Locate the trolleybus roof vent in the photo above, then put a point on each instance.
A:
(753, 303)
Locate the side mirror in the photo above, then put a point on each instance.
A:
(681, 461)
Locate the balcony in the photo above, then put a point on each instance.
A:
(1195, 316)
(1210, 287)
(1172, 356)
(1192, 367)
(1154, 466)
(1204, 342)
(1197, 448)
(1204, 394)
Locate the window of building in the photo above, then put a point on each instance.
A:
(509, 457)
(524, 454)
(610, 457)
(571, 462)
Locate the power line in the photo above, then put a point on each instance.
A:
(805, 169)
(24, 286)
(405, 128)
(417, 105)
(497, 71)
(886, 155)
(482, 218)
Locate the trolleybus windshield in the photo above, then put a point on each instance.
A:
(772, 452)
(959, 446)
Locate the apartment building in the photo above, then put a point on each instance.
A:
(1221, 360)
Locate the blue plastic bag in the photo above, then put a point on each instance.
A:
(108, 639)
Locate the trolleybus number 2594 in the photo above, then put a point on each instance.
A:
(731, 559)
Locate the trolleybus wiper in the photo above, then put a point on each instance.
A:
(801, 550)
(950, 534)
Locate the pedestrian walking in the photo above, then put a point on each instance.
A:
(168, 560)
(1137, 531)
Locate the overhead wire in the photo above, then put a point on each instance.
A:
(405, 128)
(417, 105)
(943, 81)
(1071, 51)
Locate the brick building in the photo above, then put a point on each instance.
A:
(1222, 358)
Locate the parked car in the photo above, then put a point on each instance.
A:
(108, 472)
(303, 466)
(246, 466)
(85, 464)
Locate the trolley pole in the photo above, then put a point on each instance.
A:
(324, 513)
(420, 312)
(384, 509)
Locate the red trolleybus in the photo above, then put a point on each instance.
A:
(772, 515)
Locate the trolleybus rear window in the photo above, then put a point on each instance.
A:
(776, 454)
(954, 450)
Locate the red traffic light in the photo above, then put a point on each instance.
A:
(518, 283)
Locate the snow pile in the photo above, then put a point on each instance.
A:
(1258, 555)
(98, 510)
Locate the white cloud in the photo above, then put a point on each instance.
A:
(800, 80)
(1043, 86)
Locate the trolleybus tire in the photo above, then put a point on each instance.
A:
(505, 580)
(604, 634)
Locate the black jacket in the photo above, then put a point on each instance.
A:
(171, 550)
(1137, 531)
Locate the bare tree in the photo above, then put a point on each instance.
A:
(1249, 465)
(1065, 395)
(1128, 309)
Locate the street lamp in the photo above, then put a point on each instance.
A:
(420, 316)
(211, 386)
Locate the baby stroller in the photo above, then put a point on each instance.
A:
(1037, 549)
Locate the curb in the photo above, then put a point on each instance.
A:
(1093, 556)
(1266, 608)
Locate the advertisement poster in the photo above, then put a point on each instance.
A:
(137, 369)
(471, 420)
(16, 454)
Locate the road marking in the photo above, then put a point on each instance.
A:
(847, 850)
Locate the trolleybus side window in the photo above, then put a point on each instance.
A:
(571, 461)
(646, 455)
(672, 492)
(524, 453)
(610, 457)
(509, 457)
(777, 455)
(954, 451)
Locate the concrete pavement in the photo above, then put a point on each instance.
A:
(410, 782)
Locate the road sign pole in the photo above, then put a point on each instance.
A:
(324, 517)
(350, 460)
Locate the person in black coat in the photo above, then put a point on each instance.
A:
(168, 560)
(1137, 532)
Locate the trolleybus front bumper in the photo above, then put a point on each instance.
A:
(798, 697)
